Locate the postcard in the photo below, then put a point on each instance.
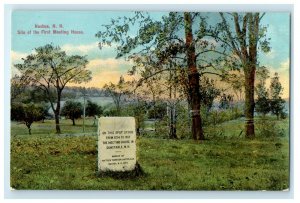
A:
(137, 100)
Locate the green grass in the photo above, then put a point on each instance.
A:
(48, 127)
(225, 161)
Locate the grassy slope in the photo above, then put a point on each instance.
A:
(225, 161)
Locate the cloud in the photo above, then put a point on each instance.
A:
(285, 66)
(89, 49)
(98, 65)
(82, 49)
(105, 77)
(107, 70)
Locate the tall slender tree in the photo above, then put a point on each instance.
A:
(240, 34)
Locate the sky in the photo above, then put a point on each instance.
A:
(103, 64)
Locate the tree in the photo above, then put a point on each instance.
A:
(117, 92)
(277, 103)
(93, 109)
(159, 44)
(50, 70)
(262, 104)
(241, 34)
(27, 113)
(72, 110)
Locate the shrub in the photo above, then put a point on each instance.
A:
(268, 128)
(219, 116)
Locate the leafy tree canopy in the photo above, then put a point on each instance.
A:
(72, 110)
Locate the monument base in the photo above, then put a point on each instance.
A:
(136, 172)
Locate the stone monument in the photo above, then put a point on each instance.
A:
(116, 144)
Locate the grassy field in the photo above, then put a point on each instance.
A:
(225, 161)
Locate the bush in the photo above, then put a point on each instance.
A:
(219, 116)
(183, 127)
(268, 128)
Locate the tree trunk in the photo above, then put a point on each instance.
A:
(249, 101)
(73, 120)
(193, 78)
(172, 128)
(57, 112)
(57, 126)
(29, 129)
(249, 70)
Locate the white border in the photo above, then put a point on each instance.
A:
(261, 6)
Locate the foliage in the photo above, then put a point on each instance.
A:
(175, 42)
(28, 113)
(226, 101)
(266, 127)
(157, 110)
(22, 92)
(270, 100)
(277, 103)
(72, 110)
(208, 92)
(221, 116)
(236, 80)
(118, 93)
(17, 87)
(262, 104)
(138, 110)
(182, 126)
(93, 109)
(50, 69)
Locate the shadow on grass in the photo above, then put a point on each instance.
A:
(137, 172)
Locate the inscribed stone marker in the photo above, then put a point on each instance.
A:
(116, 144)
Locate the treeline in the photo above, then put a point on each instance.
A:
(73, 91)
